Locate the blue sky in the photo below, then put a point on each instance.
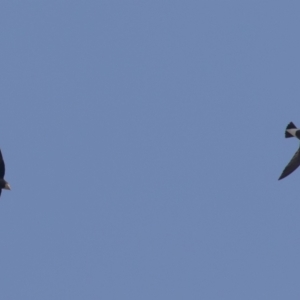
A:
(143, 142)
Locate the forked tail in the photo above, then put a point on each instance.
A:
(291, 125)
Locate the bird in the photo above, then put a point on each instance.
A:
(3, 183)
(291, 131)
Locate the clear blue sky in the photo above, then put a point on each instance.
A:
(143, 142)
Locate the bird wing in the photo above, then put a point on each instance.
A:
(2, 166)
(292, 165)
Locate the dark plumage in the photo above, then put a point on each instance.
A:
(291, 131)
(3, 184)
(292, 165)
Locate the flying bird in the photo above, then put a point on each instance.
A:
(291, 131)
(3, 184)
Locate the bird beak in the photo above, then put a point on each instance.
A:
(7, 186)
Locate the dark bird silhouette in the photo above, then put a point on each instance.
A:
(3, 184)
(291, 131)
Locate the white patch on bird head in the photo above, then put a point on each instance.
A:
(292, 131)
(7, 186)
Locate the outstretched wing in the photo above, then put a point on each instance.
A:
(292, 165)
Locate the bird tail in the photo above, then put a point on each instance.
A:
(291, 125)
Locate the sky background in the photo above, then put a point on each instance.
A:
(143, 142)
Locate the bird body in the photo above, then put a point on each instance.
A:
(291, 131)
